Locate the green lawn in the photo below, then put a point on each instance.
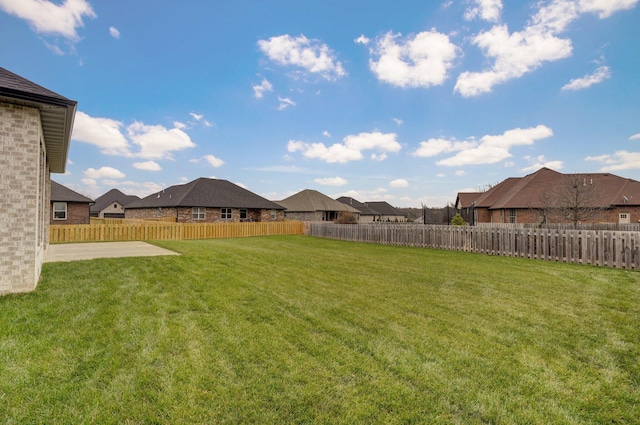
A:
(302, 330)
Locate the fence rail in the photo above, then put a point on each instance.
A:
(143, 231)
(595, 247)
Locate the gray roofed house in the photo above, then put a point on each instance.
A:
(68, 206)
(36, 126)
(387, 211)
(112, 204)
(311, 205)
(367, 214)
(205, 200)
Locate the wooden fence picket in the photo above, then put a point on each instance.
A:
(620, 249)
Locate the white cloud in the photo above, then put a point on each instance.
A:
(398, 183)
(460, 173)
(140, 189)
(332, 181)
(195, 116)
(46, 17)
(362, 40)
(606, 8)
(351, 149)
(600, 74)
(515, 54)
(113, 31)
(102, 132)
(147, 166)
(311, 55)
(541, 162)
(326, 133)
(635, 137)
(433, 147)
(398, 121)
(488, 10)
(420, 61)
(260, 89)
(157, 142)
(620, 160)
(213, 161)
(180, 125)
(488, 150)
(104, 173)
(285, 102)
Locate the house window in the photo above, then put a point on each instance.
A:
(59, 210)
(115, 205)
(624, 218)
(512, 215)
(225, 213)
(243, 215)
(198, 213)
(273, 214)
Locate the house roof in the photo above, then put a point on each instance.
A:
(466, 199)
(362, 207)
(529, 191)
(114, 195)
(56, 114)
(310, 200)
(384, 208)
(60, 193)
(203, 192)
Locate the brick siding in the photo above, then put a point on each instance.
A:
(77, 213)
(212, 215)
(24, 209)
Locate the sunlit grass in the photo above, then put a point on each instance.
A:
(305, 330)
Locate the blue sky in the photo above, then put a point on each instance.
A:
(408, 102)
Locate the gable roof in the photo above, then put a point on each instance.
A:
(114, 195)
(203, 192)
(309, 200)
(529, 191)
(466, 199)
(60, 193)
(362, 207)
(56, 114)
(384, 208)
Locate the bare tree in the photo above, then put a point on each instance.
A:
(577, 198)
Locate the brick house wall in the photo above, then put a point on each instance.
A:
(212, 215)
(527, 216)
(77, 213)
(24, 205)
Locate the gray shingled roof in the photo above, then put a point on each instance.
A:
(203, 192)
(60, 193)
(309, 200)
(360, 206)
(384, 208)
(56, 113)
(114, 195)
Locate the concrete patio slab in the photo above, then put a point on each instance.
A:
(92, 250)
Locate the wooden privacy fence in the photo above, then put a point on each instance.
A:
(594, 247)
(145, 231)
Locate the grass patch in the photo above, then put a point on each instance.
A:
(305, 330)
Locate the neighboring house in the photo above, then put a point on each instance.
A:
(535, 198)
(35, 133)
(311, 205)
(387, 212)
(374, 211)
(205, 200)
(112, 204)
(367, 214)
(67, 206)
(465, 206)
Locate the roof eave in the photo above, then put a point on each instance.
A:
(57, 117)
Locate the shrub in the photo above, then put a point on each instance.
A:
(347, 218)
(457, 220)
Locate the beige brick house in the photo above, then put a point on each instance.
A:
(68, 206)
(35, 132)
